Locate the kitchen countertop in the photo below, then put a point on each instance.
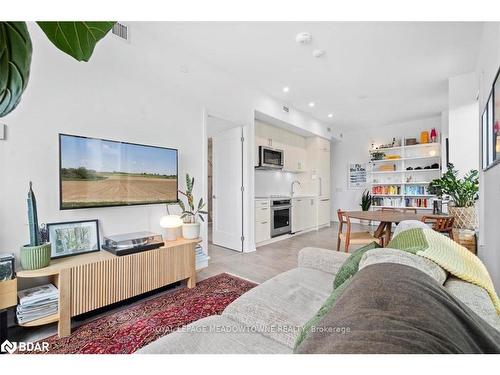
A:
(288, 196)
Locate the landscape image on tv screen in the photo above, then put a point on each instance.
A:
(97, 172)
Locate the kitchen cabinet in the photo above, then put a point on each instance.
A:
(323, 211)
(303, 213)
(295, 159)
(262, 220)
(318, 154)
(298, 207)
(293, 146)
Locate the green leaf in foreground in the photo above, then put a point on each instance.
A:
(77, 39)
(15, 61)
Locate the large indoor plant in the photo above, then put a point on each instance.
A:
(462, 192)
(37, 253)
(366, 203)
(191, 213)
(77, 39)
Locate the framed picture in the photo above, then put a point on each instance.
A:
(357, 176)
(73, 238)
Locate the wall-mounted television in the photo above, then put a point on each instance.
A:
(102, 173)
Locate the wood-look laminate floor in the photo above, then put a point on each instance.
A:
(269, 260)
(258, 266)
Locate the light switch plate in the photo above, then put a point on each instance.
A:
(2, 131)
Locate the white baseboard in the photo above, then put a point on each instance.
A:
(287, 236)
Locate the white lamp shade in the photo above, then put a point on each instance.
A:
(170, 221)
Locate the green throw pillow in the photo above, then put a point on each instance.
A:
(351, 264)
(330, 301)
(410, 240)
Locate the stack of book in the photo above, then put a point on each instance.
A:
(201, 257)
(37, 302)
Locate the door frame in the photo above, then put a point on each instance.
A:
(244, 194)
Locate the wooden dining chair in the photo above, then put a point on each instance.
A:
(350, 237)
(441, 224)
(400, 209)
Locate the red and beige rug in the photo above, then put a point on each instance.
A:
(128, 330)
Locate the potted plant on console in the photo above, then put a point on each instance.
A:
(37, 254)
(191, 214)
(463, 193)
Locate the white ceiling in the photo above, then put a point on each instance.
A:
(373, 73)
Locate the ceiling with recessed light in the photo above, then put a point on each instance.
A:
(368, 74)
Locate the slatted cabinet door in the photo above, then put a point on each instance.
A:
(98, 284)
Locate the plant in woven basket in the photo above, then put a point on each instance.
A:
(462, 191)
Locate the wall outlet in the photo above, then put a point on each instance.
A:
(3, 131)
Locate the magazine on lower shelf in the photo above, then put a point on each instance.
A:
(37, 302)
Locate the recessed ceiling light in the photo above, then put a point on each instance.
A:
(286, 89)
(330, 115)
(319, 53)
(303, 38)
(311, 104)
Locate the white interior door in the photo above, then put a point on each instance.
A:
(227, 198)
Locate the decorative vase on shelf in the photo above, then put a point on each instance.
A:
(424, 137)
(191, 231)
(433, 135)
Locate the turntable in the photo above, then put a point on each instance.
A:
(130, 243)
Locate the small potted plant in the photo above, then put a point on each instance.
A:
(378, 155)
(366, 203)
(36, 254)
(463, 193)
(191, 214)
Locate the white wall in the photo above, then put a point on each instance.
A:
(487, 67)
(463, 122)
(131, 92)
(354, 147)
(97, 99)
(274, 182)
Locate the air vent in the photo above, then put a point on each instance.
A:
(121, 30)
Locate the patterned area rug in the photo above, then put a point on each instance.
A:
(128, 330)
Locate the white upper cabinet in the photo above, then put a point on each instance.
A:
(293, 145)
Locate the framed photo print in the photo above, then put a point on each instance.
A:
(357, 176)
(74, 237)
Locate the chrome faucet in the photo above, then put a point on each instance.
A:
(294, 182)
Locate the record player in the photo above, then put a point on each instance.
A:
(129, 243)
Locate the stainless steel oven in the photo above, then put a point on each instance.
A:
(280, 217)
(270, 158)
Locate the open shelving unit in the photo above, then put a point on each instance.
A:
(394, 186)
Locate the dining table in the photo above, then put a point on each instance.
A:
(386, 219)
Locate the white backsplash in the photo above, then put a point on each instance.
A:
(274, 182)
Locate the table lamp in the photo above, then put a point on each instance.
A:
(171, 223)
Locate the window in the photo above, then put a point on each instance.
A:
(495, 140)
(484, 138)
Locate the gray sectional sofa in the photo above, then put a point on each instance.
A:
(267, 318)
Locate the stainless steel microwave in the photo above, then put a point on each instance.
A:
(270, 158)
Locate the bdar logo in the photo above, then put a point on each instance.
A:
(8, 347)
